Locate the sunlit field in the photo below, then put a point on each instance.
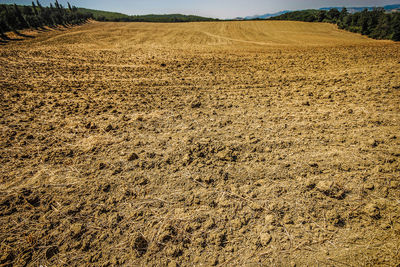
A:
(259, 143)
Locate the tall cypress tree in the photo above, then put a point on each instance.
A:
(52, 15)
(3, 22)
(14, 18)
(11, 19)
(21, 20)
(39, 5)
(2, 31)
(34, 9)
(63, 14)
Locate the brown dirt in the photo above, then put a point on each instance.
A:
(238, 143)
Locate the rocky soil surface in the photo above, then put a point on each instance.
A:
(205, 144)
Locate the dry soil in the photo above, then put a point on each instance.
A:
(199, 144)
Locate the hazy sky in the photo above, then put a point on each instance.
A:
(210, 8)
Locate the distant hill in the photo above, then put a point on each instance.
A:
(106, 14)
(388, 8)
(100, 15)
(268, 15)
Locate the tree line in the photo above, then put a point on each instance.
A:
(15, 18)
(118, 17)
(376, 24)
(157, 18)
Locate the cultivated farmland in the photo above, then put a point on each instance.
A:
(198, 144)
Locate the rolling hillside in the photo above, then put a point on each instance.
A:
(262, 33)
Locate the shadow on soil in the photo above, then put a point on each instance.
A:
(24, 35)
(4, 39)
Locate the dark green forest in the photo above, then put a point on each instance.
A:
(376, 24)
(15, 18)
(118, 17)
(161, 18)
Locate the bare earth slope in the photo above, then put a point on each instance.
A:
(237, 143)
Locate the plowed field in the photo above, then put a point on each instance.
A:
(199, 144)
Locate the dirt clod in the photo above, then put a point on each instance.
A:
(195, 104)
(133, 157)
(265, 239)
(51, 251)
(76, 229)
(331, 189)
(109, 128)
(372, 210)
(139, 244)
(369, 186)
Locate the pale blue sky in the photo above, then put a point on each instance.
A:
(210, 8)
